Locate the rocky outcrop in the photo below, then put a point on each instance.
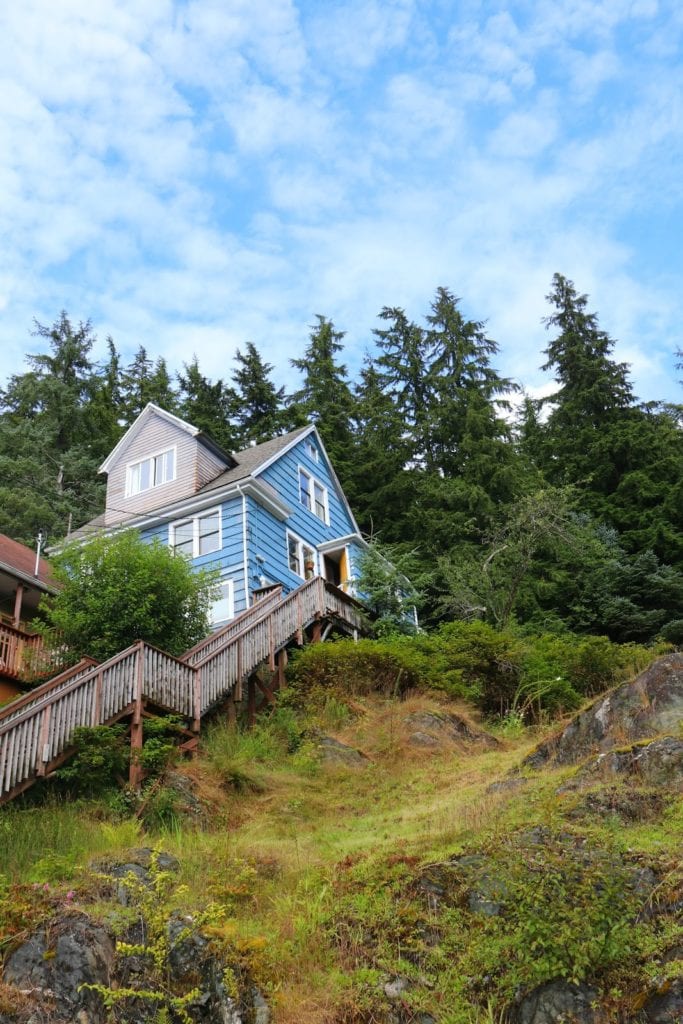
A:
(664, 1006)
(427, 729)
(648, 706)
(333, 752)
(54, 964)
(558, 1002)
(58, 969)
(656, 764)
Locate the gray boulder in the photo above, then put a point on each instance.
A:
(665, 1006)
(558, 1002)
(649, 705)
(443, 729)
(340, 754)
(52, 966)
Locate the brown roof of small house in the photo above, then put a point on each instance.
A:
(16, 558)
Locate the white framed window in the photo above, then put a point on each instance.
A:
(199, 535)
(223, 602)
(311, 451)
(150, 472)
(301, 558)
(313, 495)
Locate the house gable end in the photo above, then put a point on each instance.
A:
(159, 461)
(296, 454)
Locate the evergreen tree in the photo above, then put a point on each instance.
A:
(325, 396)
(258, 405)
(50, 447)
(144, 381)
(625, 459)
(404, 364)
(377, 476)
(207, 404)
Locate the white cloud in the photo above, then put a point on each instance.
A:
(195, 175)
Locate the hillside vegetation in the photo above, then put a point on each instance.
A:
(367, 858)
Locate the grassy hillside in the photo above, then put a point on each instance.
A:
(392, 886)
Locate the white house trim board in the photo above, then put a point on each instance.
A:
(150, 410)
(342, 542)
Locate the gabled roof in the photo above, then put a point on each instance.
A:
(20, 561)
(154, 410)
(256, 458)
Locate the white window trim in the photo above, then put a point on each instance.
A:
(326, 498)
(231, 600)
(301, 544)
(195, 531)
(147, 458)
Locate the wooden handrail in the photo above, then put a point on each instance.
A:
(36, 731)
(33, 696)
(214, 640)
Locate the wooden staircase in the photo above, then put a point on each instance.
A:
(36, 730)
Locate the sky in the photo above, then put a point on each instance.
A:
(194, 175)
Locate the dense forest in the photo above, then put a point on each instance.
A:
(566, 514)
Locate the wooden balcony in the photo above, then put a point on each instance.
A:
(24, 657)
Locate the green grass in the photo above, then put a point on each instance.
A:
(316, 866)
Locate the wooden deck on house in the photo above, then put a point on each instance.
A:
(36, 730)
(24, 656)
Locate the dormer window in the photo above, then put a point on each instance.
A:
(151, 472)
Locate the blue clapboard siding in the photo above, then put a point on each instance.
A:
(229, 559)
(268, 535)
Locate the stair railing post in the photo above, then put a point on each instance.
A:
(136, 738)
(197, 701)
(299, 621)
(43, 742)
(97, 704)
(251, 701)
(271, 646)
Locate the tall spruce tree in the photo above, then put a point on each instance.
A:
(50, 440)
(258, 405)
(624, 458)
(207, 404)
(143, 381)
(404, 364)
(325, 396)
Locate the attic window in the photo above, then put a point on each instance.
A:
(151, 472)
(311, 450)
(313, 495)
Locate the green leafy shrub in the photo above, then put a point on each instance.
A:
(101, 759)
(116, 590)
(495, 669)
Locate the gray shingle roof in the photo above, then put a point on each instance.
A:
(249, 459)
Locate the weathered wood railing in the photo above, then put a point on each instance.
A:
(13, 644)
(233, 628)
(24, 656)
(36, 732)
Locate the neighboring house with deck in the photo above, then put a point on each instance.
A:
(24, 579)
(274, 513)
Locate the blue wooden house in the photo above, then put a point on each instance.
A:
(273, 513)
